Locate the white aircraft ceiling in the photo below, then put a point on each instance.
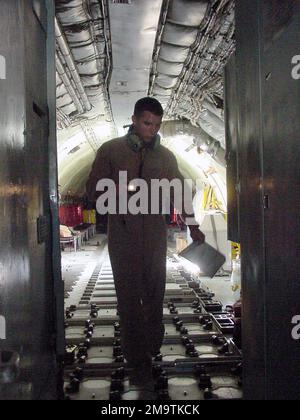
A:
(111, 53)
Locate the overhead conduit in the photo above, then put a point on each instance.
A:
(178, 34)
(68, 85)
(65, 50)
(192, 47)
(84, 52)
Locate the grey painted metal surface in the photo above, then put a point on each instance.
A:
(277, 16)
(269, 94)
(281, 128)
(26, 284)
(58, 308)
(251, 196)
(232, 173)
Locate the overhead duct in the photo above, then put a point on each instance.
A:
(65, 50)
(214, 45)
(83, 46)
(83, 56)
(212, 108)
(192, 43)
(200, 138)
(211, 129)
(213, 119)
(178, 33)
(203, 76)
(192, 47)
(205, 115)
(68, 85)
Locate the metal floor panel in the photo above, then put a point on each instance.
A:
(107, 354)
(183, 310)
(193, 337)
(106, 333)
(190, 383)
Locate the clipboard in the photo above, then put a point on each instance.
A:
(207, 258)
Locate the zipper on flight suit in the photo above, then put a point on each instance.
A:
(142, 161)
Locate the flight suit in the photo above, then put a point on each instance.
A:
(137, 247)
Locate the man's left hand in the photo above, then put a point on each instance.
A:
(196, 234)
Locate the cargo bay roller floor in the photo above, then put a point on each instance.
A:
(198, 359)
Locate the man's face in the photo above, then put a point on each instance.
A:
(146, 125)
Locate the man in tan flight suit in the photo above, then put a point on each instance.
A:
(137, 242)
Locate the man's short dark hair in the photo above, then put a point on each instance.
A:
(148, 104)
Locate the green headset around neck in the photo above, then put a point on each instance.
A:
(136, 143)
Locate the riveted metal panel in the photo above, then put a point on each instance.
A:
(251, 211)
(26, 276)
(268, 84)
(15, 265)
(281, 129)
